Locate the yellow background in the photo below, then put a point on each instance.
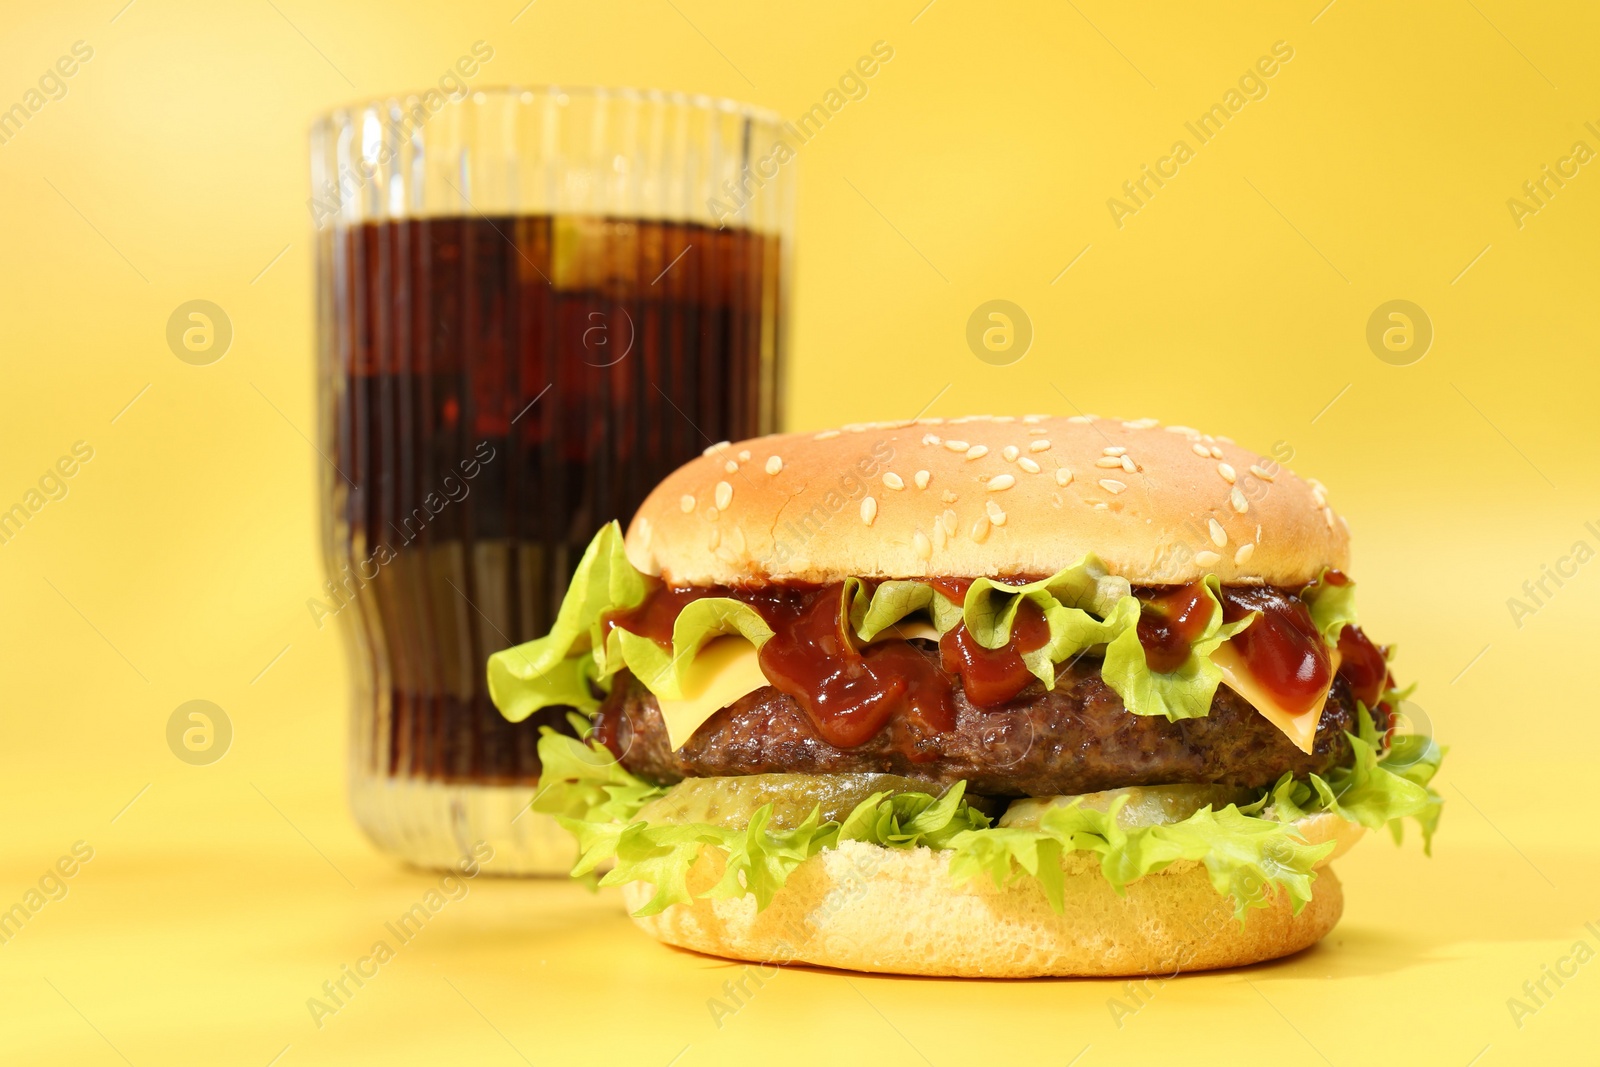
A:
(978, 167)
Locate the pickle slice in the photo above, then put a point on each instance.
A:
(1146, 806)
(731, 801)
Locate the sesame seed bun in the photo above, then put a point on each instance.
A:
(986, 496)
(861, 907)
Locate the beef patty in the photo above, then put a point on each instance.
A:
(1076, 738)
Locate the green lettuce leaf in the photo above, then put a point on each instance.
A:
(564, 667)
(662, 670)
(583, 780)
(1244, 856)
(1074, 632)
(1248, 850)
(598, 801)
(553, 669)
(1375, 790)
(1184, 693)
(907, 820)
(1333, 607)
(991, 606)
(1083, 605)
(893, 601)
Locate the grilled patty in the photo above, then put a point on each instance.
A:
(1077, 738)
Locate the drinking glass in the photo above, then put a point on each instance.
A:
(532, 304)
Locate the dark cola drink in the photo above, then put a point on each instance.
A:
(511, 384)
(533, 303)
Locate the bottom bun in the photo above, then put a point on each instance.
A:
(862, 907)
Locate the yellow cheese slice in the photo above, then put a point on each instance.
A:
(906, 631)
(729, 668)
(725, 670)
(1300, 729)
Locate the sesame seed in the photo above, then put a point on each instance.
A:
(1003, 418)
(774, 464)
(1112, 486)
(1001, 481)
(995, 514)
(893, 480)
(1034, 418)
(1037, 431)
(856, 427)
(977, 451)
(1010, 452)
(948, 497)
(1226, 470)
(940, 536)
(921, 478)
(1219, 536)
(1039, 446)
(869, 510)
(1108, 461)
(715, 539)
(930, 438)
(718, 447)
(1141, 424)
(686, 503)
(1114, 450)
(732, 466)
(1129, 466)
(1216, 453)
(980, 529)
(1238, 501)
(1063, 476)
(956, 446)
(1207, 559)
(1319, 495)
(919, 542)
(948, 522)
(1028, 465)
(1080, 419)
(1261, 472)
(826, 435)
(1201, 450)
(1327, 513)
(724, 496)
(645, 532)
(1241, 557)
(711, 513)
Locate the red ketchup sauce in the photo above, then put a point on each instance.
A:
(1282, 647)
(850, 693)
(995, 675)
(1169, 622)
(1363, 667)
(654, 616)
(1362, 664)
(954, 589)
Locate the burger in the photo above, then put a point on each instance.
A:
(987, 696)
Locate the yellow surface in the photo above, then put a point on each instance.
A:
(978, 167)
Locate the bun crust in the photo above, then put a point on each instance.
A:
(864, 908)
(986, 496)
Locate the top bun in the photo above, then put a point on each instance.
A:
(997, 496)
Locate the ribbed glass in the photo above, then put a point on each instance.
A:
(533, 304)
